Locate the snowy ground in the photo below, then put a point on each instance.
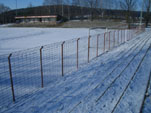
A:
(114, 82)
(26, 64)
(147, 102)
(14, 39)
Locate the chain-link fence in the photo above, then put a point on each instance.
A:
(23, 72)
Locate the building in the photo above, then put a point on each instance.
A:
(38, 19)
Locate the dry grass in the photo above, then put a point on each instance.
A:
(88, 24)
(75, 24)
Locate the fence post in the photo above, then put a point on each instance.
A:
(128, 35)
(62, 66)
(118, 37)
(97, 45)
(109, 40)
(131, 34)
(41, 67)
(89, 48)
(104, 41)
(114, 40)
(11, 78)
(78, 52)
(121, 36)
(124, 35)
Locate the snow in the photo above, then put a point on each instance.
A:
(26, 67)
(106, 104)
(15, 39)
(147, 103)
(130, 103)
(82, 91)
(6, 25)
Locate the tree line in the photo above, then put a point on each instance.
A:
(81, 9)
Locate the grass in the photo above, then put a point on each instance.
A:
(75, 24)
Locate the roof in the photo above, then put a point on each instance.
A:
(23, 17)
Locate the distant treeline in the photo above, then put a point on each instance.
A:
(68, 12)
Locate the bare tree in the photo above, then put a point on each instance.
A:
(3, 8)
(148, 9)
(68, 3)
(128, 6)
(48, 3)
(52, 2)
(75, 2)
(80, 4)
(30, 5)
(105, 4)
(91, 4)
(94, 6)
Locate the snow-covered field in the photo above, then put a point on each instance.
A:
(114, 82)
(14, 39)
(26, 63)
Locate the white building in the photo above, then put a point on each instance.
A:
(35, 19)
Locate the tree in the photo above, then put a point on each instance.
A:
(91, 4)
(75, 2)
(128, 6)
(3, 8)
(48, 3)
(30, 5)
(147, 8)
(80, 4)
(68, 3)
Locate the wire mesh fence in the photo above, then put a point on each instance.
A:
(5, 85)
(51, 62)
(24, 72)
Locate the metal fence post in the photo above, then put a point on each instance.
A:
(109, 40)
(11, 78)
(118, 37)
(89, 48)
(97, 45)
(128, 34)
(78, 53)
(121, 36)
(41, 67)
(124, 35)
(104, 41)
(62, 66)
(131, 34)
(114, 40)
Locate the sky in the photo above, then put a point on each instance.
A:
(25, 3)
(21, 3)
